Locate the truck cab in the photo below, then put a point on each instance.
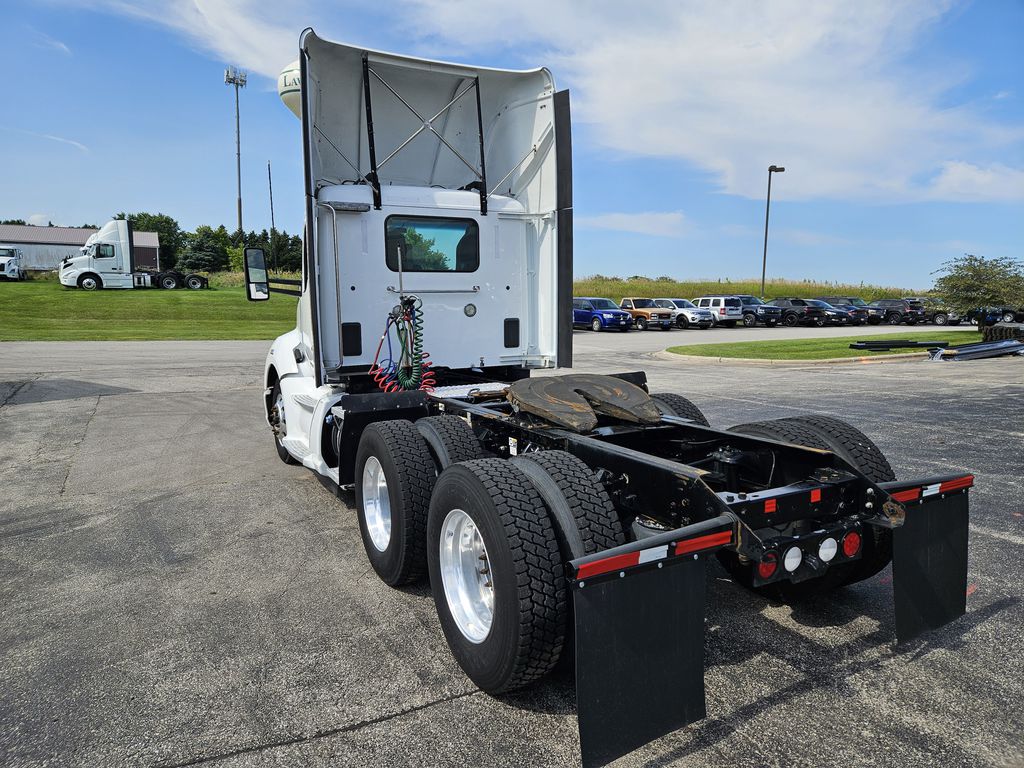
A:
(11, 266)
(107, 259)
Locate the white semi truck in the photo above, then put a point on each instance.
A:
(10, 263)
(555, 510)
(108, 261)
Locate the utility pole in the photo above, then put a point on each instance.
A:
(273, 233)
(767, 206)
(237, 78)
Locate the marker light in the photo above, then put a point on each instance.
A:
(827, 549)
(792, 559)
(768, 565)
(851, 544)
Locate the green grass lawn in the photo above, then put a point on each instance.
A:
(815, 349)
(44, 310)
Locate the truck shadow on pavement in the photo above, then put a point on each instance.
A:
(54, 390)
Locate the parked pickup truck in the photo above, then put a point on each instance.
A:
(934, 311)
(686, 315)
(599, 314)
(797, 311)
(862, 310)
(646, 314)
(757, 311)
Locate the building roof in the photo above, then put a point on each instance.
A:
(24, 234)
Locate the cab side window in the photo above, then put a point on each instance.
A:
(627, 303)
(105, 251)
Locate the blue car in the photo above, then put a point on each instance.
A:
(599, 315)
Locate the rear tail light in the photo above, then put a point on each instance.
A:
(851, 544)
(768, 566)
(721, 311)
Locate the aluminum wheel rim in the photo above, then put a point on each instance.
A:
(376, 504)
(466, 577)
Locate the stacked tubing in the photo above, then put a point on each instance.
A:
(389, 374)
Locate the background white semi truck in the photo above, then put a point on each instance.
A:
(11, 266)
(555, 509)
(108, 261)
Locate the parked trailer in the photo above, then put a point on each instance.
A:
(108, 261)
(555, 510)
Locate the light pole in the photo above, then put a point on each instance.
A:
(237, 77)
(767, 206)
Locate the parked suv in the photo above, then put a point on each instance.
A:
(862, 310)
(934, 312)
(599, 315)
(685, 315)
(725, 310)
(646, 314)
(797, 311)
(836, 315)
(902, 311)
(757, 311)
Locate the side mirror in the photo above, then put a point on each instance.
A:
(256, 281)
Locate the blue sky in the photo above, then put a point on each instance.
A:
(900, 124)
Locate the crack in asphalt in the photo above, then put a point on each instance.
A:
(78, 444)
(18, 386)
(317, 734)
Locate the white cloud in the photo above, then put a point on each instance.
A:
(659, 224)
(38, 219)
(732, 87)
(968, 182)
(823, 87)
(61, 140)
(43, 40)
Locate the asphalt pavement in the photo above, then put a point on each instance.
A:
(175, 595)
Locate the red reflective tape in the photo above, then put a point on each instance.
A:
(967, 481)
(770, 505)
(911, 494)
(607, 565)
(704, 542)
(815, 495)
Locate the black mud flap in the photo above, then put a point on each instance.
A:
(639, 656)
(929, 565)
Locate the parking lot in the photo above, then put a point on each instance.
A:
(175, 595)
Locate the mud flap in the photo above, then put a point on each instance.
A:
(929, 565)
(639, 656)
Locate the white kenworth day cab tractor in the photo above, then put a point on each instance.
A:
(108, 261)
(553, 510)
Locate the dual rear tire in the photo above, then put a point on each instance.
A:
(492, 534)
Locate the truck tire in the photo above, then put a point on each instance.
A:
(90, 282)
(276, 415)
(677, 405)
(195, 282)
(496, 574)
(749, 319)
(169, 281)
(641, 323)
(450, 439)
(394, 475)
(567, 485)
(852, 445)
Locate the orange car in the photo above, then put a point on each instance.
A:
(646, 314)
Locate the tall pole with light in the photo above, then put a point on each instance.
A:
(237, 78)
(767, 207)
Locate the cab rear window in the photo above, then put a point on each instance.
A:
(432, 244)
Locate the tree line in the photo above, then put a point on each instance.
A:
(214, 250)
